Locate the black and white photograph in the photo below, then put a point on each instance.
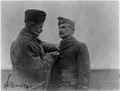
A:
(60, 45)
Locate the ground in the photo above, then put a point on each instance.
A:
(100, 80)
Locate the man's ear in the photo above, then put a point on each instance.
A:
(72, 29)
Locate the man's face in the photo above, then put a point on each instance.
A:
(64, 30)
(38, 28)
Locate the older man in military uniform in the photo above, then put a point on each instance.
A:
(72, 69)
(30, 56)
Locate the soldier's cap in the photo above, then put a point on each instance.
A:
(62, 20)
(34, 15)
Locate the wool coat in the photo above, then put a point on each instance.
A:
(30, 60)
(72, 68)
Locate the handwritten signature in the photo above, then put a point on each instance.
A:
(10, 84)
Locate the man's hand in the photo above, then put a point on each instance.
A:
(54, 54)
(57, 47)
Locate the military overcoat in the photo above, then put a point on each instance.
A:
(29, 59)
(72, 69)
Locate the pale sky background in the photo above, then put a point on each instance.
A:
(97, 24)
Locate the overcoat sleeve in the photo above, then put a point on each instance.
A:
(84, 71)
(39, 60)
(48, 47)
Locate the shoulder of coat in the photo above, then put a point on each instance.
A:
(81, 44)
(24, 40)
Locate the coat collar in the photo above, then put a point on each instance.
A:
(29, 33)
(67, 42)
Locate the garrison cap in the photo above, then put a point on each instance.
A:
(37, 16)
(63, 20)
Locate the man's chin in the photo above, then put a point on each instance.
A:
(63, 37)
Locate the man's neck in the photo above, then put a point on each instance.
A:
(67, 37)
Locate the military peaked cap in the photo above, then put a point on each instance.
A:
(63, 20)
(34, 15)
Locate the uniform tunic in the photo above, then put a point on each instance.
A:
(30, 60)
(72, 69)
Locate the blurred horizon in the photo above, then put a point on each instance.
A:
(97, 24)
(100, 80)
(9, 67)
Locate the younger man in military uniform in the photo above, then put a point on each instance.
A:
(72, 69)
(30, 56)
